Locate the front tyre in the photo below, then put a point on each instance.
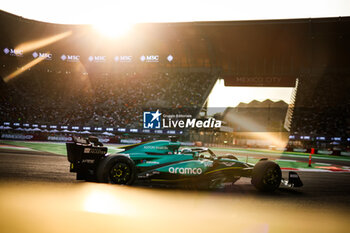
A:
(266, 176)
(116, 169)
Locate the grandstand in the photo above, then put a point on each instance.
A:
(321, 115)
(115, 100)
(67, 77)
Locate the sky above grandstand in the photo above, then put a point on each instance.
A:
(222, 97)
(133, 11)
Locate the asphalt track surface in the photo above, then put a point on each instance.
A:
(315, 159)
(320, 188)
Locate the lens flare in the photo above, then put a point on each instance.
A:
(33, 45)
(23, 68)
(256, 130)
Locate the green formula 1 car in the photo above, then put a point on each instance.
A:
(163, 163)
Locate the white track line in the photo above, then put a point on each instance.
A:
(326, 164)
(316, 170)
(15, 148)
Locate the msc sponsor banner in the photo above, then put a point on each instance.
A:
(45, 56)
(259, 81)
(149, 58)
(13, 52)
(170, 58)
(123, 59)
(97, 59)
(70, 58)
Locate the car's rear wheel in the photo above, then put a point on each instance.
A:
(85, 175)
(266, 176)
(116, 169)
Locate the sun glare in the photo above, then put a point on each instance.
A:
(112, 29)
(103, 202)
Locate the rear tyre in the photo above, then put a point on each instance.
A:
(80, 176)
(86, 175)
(266, 176)
(116, 169)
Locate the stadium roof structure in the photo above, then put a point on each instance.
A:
(245, 53)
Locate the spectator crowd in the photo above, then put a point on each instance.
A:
(322, 107)
(116, 100)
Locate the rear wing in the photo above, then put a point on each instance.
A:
(83, 149)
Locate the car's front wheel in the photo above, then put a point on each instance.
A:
(266, 176)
